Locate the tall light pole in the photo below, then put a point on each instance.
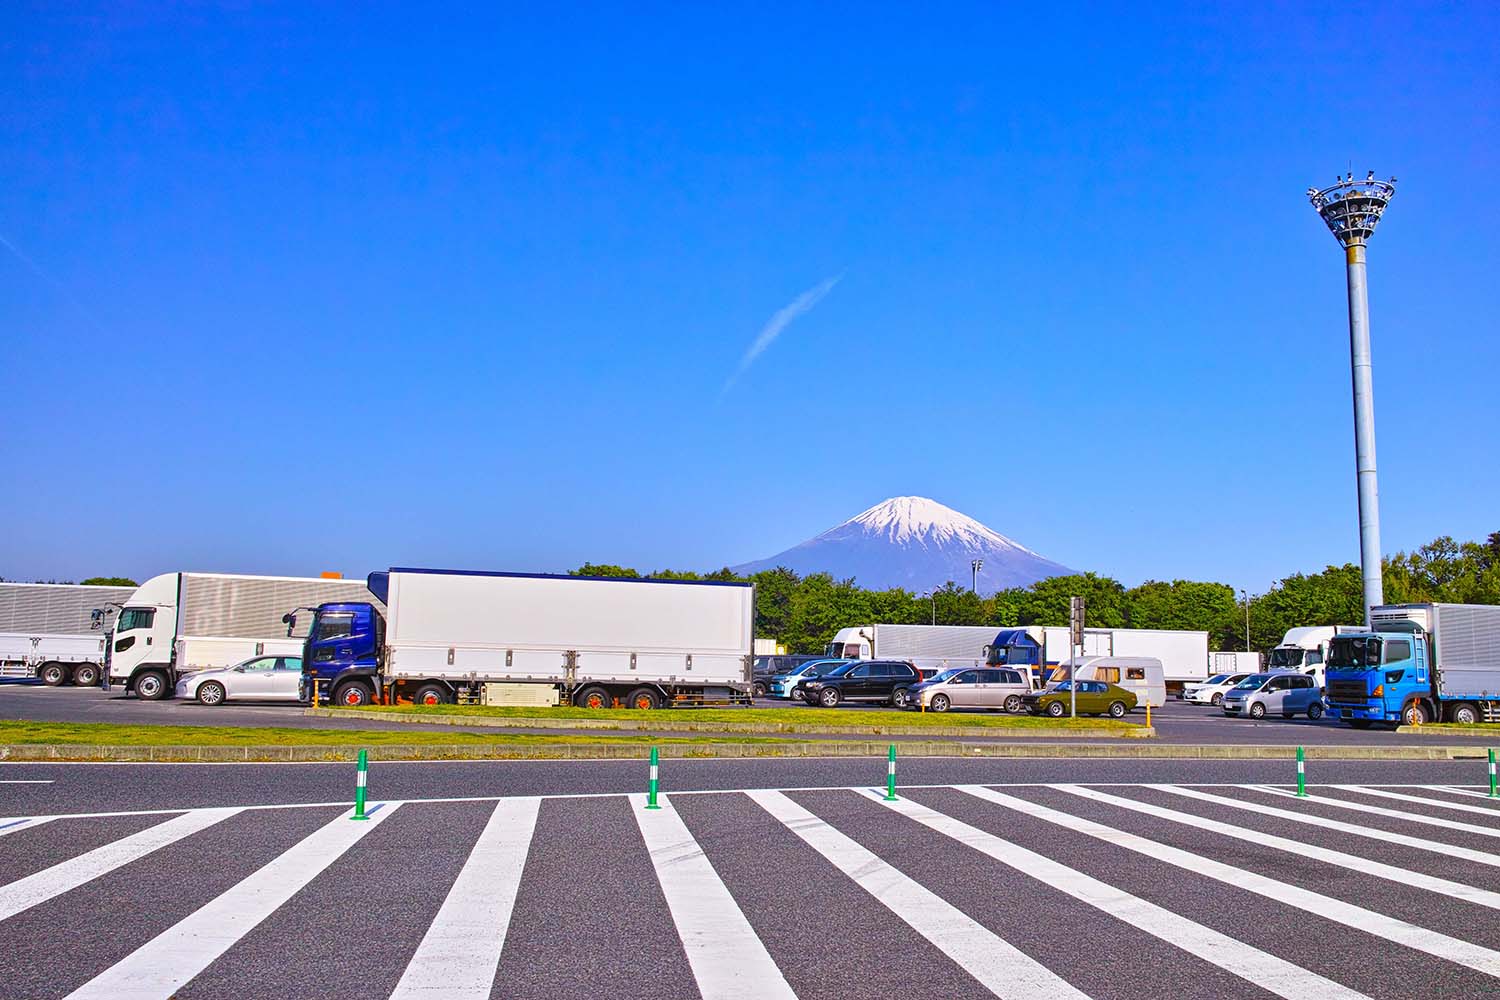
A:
(976, 565)
(1351, 210)
(1246, 595)
(932, 594)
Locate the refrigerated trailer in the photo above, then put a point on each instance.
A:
(930, 648)
(1183, 653)
(440, 636)
(49, 630)
(178, 623)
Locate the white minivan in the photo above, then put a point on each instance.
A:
(1142, 675)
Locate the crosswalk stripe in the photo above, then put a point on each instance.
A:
(1384, 794)
(1467, 792)
(19, 823)
(157, 969)
(1365, 866)
(727, 957)
(1365, 807)
(1452, 949)
(27, 892)
(1005, 970)
(460, 952)
(1246, 961)
(1370, 832)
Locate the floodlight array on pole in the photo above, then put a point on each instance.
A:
(1352, 209)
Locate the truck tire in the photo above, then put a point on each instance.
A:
(594, 697)
(1414, 714)
(152, 685)
(86, 675)
(431, 694)
(53, 674)
(1464, 712)
(643, 698)
(353, 694)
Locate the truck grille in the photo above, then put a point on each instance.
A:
(1348, 691)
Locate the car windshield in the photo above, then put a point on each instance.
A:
(946, 675)
(1217, 679)
(1286, 656)
(1354, 652)
(838, 671)
(1251, 683)
(1059, 686)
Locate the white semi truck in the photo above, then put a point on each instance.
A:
(440, 636)
(1305, 649)
(1043, 648)
(927, 647)
(49, 630)
(177, 623)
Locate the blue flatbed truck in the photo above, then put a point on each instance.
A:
(1417, 663)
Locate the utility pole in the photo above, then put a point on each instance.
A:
(1075, 636)
(1352, 209)
(1246, 595)
(976, 565)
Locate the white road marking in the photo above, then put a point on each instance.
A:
(160, 967)
(1261, 968)
(1461, 791)
(728, 958)
(1370, 832)
(1005, 970)
(41, 886)
(460, 952)
(1403, 876)
(1452, 949)
(1384, 794)
(27, 781)
(1402, 814)
(19, 823)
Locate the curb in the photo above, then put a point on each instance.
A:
(742, 728)
(1432, 729)
(32, 752)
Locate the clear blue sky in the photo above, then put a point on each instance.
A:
(305, 288)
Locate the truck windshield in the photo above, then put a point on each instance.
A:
(133, 618)
(335, 624)
(1354, 652)
(1283, 657)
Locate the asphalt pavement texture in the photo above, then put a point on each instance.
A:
(1056, 878)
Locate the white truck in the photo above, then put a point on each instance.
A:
(1183, 654)
(594, 642)
(49, 630)
(929, 648)
(1305, 649)
(177, 623)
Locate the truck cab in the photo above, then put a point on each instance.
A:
(341, 657)
(1380, 677)
(138, 651)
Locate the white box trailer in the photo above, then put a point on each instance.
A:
(595, 641)
(928, 647)
(51, 631)
(178, 623)
(1183, 653)
(1233, 662)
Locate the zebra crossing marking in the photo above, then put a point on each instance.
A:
(160, 967)
(1003, 969)
(1365, 807)
(10, 826)
(728, 958)
(1386, 794)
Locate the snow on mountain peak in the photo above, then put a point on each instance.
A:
(923, 521)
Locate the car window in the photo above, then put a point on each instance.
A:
(289, 663)
(269, 663)
(863, 670)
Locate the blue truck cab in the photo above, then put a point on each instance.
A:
(1417, 663)
(341, 656)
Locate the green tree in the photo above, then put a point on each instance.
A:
(110, 581)
(604, 569)
(1046, 601)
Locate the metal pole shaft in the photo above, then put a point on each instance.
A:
(1364, 429)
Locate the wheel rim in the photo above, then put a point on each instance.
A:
(1257, 711)
(1466, 716)
(429, 698)
(830, 699)
(148, 686)
(940, 704)
(52, 675)
(211, 694)
(352, 697)
(644, 701)
(593, 700)
(84, 675)
(1012, 703)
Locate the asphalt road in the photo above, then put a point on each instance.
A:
(1176, 722)
(755, 879)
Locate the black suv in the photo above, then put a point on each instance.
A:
(862, 680)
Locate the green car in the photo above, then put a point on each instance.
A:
(1094, 698)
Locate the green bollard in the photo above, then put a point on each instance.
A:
(360, 778)
(652, 787)
(890, 775)
(1301, 775)
(1494, 792)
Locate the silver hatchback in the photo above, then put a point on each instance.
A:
(1284, 692)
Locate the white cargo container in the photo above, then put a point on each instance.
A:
(1233, 662)
(176, 623)
(928, 647)
(1183, 654)
(49, 630)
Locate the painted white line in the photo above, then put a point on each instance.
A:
(1452, 949)
(1005, 970)
(1435, 803)
(1403, 876)
(1463, 791)
(1401, 814)
(460, 952)
(19, 823)
(1370, 832)
(728, 958)
(27, 781)
(1261, 968)
(159, 968)
(27, 892)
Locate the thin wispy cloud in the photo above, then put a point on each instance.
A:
(61, 289)
(778, 322)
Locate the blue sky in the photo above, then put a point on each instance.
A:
(304, 288)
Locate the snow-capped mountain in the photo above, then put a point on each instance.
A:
(916, 543)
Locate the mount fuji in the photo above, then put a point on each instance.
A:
(915, 543)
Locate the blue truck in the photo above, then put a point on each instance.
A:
(1417, 663)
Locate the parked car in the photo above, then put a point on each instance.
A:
(763, 668)
(970, 687)
(862, 680)
(1094, 698)
(1287, 692)
(261, 678)
(785, 685)
(1211, 691)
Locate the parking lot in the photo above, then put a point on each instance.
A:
(1177, 885)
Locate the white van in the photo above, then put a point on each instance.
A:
(1141, 674)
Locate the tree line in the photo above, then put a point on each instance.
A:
(804, 612)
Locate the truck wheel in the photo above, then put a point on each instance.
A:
(1257, 711)
(1414, 714)
(151, 686)
(86, 675)
(352, 695)
(1013, 703)
(53, 674)
(643, 698)
(1315, 711)
(211, 693)
(1117, 710)
(594, 697)
(939, 703)
(829, 698)
(1464, 713)
(1056, 709)
(431, 694)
